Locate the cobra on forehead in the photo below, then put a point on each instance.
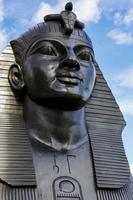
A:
(54, 26)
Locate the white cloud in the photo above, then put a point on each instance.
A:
(126, 106)
(43, 9)
(118, 18)
(128, 19)
(131, 168)
(86, 10)
(124, 19)
(121, 37)
(123, 89)
(3, 38)
(3, 35)
(92, 10)
(115, 5)
(125, 79)
(1, 10)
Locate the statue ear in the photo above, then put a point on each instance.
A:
(15, 77)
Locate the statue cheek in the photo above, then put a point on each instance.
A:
(89, 77)
(86, 71)
(91, 73)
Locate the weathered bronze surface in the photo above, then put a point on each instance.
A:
(58, 97)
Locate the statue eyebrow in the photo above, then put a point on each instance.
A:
(39, 44)
(81, 47)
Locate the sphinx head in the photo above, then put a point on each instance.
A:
(55, 66)
(55, 62)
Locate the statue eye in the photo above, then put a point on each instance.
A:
(46, 50)
(86, 56)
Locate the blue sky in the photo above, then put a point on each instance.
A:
(109, 23)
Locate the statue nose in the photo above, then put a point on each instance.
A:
(70, 64)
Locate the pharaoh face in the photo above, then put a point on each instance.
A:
(59, 72)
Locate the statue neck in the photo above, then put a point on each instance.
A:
(58, 129)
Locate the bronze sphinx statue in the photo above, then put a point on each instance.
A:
(58, 99)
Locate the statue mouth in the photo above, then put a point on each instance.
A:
(69, 79)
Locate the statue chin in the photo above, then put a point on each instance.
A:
(56, 145)
(62, 103)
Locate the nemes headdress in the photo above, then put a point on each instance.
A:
(65, 23)
(103, 116)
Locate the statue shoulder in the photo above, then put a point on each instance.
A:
(124, 193)
(24, 193)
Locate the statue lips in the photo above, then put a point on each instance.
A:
(69, 78)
